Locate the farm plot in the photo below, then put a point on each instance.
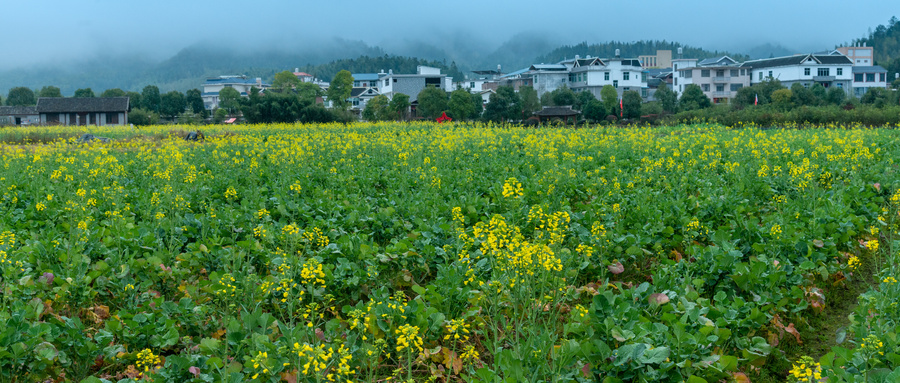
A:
(424, 252)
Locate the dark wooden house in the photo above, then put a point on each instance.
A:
(83, 110)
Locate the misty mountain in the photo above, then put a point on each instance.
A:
(767, 50)
(631, 49)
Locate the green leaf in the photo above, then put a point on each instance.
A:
(656, 355)
(209, 345)
(695, 379)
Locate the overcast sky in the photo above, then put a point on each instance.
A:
(37, 31)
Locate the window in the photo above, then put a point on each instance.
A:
(606, 76)
(706, 87)
(870, 77)
(760, 76)
(840, 71)
(385, 82)
(806, 71)
(626, 76)
(687, 74)
(676, 80)
(736, 87)
(675, 67)
(472, 85)
(53, 118)
(770, 73)
(615, 83)
(881, 77)
(720, 88)
(704, 73)
(840, 85)
(824, 72)
(720, 73)
(112, 118)
(858, 77)
(395, 80)
(734, 73)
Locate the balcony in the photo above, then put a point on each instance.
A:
(725, 79)
(823, 78)
(721, 94)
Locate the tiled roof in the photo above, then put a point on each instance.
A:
(552, 111)
(17, 110)
(302, 74)
(230, 80)
(720, 61)
(797, 60)
(81, 104)
(548, 67)
(356, 92)
(869, 69)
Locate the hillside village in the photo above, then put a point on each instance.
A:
(849, 68)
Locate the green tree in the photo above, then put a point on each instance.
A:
(134, 100)
(114, 92)
(286, 80)
(194, 99)
(504, 105)
(172, 104)
(668, 99)
(140, 116)
(309, 92)
(563, 96)
(782, 98)
(610, 99)
(399, 106)
(20, 96)
(631, 104)
(835, 96)
(220, 115)
(150, 98)
(377, 109)
(693, 98)
(583, 98)
(802, 96)
(230, 100)
(50, 91)
(84, 93)
(340, 88)
(461, 105)
(895, 84)
(819, 93)
(432, 102)
(478, 103)
(875, 96)
(594, 111)
(530, 101)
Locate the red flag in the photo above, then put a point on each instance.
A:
(756, 99)
(621, 109)
(444, 118)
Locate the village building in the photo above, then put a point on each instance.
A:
(83, 110)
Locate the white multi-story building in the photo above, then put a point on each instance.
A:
(865, 77)
(411, 84)
(213, 86)
(828, 70)
(590, 74)
(719, 78)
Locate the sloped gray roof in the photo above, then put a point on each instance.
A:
(82, 104)
(17, 111)
(552, 111)
(718, 61)
(869, 69)
(796, 60)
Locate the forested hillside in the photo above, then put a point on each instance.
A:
(886, 41)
